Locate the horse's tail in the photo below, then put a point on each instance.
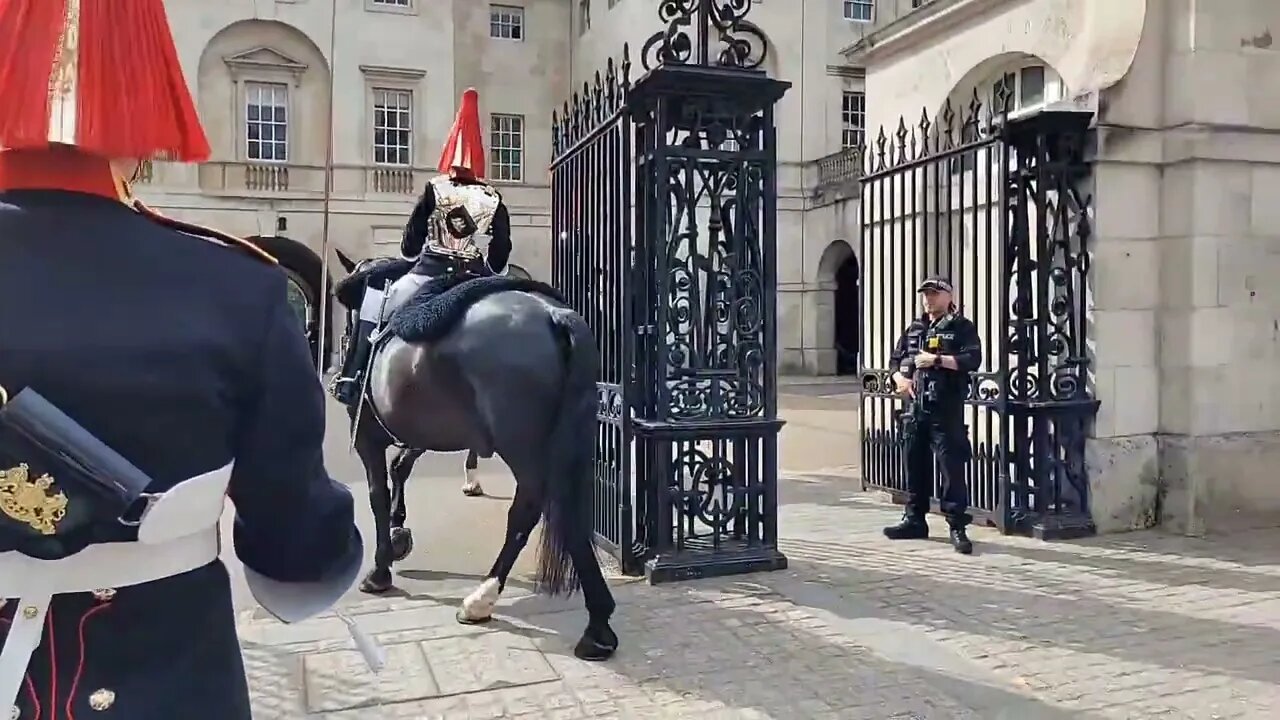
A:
(566, 507)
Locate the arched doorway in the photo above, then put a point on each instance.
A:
(848, 295)
(304, 271)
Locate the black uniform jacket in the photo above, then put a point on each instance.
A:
(415, 231)
(953, 335)
(181, 355)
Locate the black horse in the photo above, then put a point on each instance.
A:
(516, 376)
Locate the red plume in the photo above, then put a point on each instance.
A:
(131, 97)
(465, 146)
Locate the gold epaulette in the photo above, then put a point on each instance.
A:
(204, 233)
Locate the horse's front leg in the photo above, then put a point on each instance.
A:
(373, 455)
(401, 536)
(471, 483)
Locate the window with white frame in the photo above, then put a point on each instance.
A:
(266, 122)
(506, 147)
(393, 3)
(1024, 90)
(392, 127)
(859, 10)
(853, 119)
(584, 16)
(506, 22)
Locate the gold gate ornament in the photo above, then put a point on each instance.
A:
(29, 501)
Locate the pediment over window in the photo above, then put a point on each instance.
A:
(262, 60)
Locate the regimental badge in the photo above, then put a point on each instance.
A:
(31, 501)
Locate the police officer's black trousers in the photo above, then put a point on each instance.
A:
(946, 439)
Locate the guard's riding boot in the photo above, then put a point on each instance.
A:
(346, 388)
(960, 540)
(912, 527)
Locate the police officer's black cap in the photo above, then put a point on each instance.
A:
(938, 283)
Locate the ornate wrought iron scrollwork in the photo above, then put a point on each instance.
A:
(712, 269)
(694, 26)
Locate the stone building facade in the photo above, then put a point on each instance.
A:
(1184, 310)
(263, 70)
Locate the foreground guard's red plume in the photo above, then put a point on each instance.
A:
(100, 75)
(465, 147)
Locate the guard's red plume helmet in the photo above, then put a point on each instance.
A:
(465, 146)
(100, 75)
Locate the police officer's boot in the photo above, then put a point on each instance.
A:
(960, 540)
(912, 527)
(350, 381)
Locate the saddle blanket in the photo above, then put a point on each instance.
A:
(441, 302)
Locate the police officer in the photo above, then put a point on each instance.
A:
(932, 361)
(455, 208)
(152, 368)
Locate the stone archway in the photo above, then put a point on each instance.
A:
(838, 319)
(848, 316)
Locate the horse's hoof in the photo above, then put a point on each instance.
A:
(376, 583)
(401, 543)
(463, 619)
(472, 490)
(596, 644)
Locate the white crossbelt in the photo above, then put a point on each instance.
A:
(178, 533)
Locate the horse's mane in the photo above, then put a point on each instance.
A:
(349, 291)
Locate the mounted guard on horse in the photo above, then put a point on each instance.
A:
(456, 209)
(467, 359)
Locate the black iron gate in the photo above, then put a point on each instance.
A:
(593, 246)
(664, 220)
(997, 204)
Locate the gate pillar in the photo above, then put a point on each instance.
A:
(1049, 401)
(705, 389)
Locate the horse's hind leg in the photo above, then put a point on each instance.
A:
(522, 517)
(401, 536)
(373, 455)
(598, 642)
(471, 483)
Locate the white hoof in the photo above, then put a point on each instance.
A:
(471, 484)
(480, 603)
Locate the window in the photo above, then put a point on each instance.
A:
(1025, 90)
(392, 3)
(859, 10)
(506, 147)
(853, 119)
(918, 3)
(266, 122)
(506, 22)
(584, 16)
(392, 127)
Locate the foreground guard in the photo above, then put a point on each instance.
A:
(455, 210)
(152, 368)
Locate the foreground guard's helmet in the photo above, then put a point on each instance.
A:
(97, 77)
(464, 150)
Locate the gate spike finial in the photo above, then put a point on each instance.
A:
(611, 84)
(597, 98)
(881, 141)
(975, 111)
(924, 132)
(948, 128)
(626, 66)
(901, 136)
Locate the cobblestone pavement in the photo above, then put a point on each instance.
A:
(1133, 626)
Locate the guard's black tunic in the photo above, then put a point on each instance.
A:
(181, 355)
